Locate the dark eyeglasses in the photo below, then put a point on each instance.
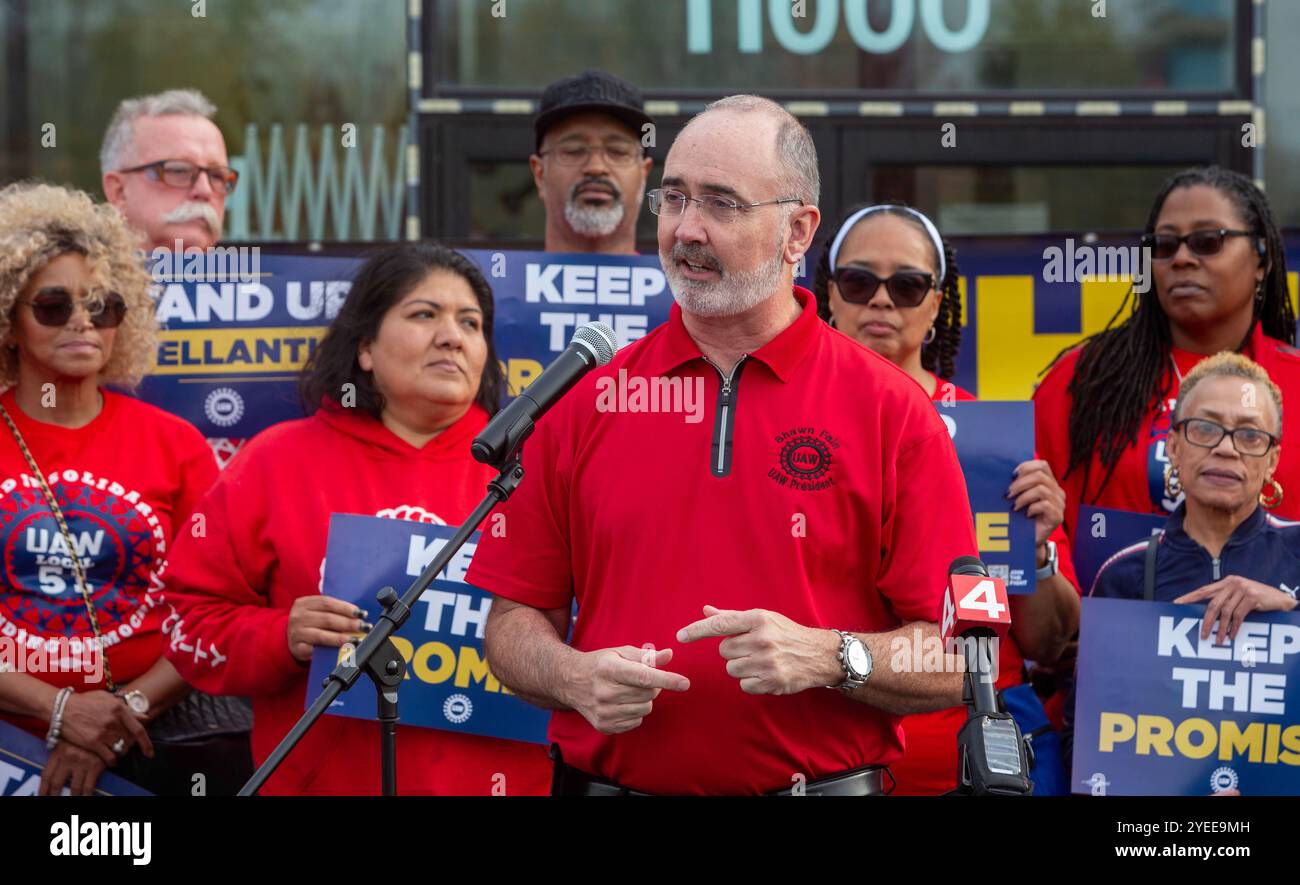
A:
(907, 288)
(1200, 242)
(180, 174)
(1207, 434)
(54, 307)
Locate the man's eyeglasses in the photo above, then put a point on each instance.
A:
(1200, 242)
(1207, 434)
(906, 288)
(54, 307)
(618, 153)
(669, 202)
(180, 174)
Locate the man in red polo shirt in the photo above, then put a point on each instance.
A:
(718, 544)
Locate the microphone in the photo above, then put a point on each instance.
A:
(992, 758)
(592, 345)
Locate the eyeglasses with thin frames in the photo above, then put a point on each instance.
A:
(669, 202)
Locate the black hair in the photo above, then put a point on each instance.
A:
(1121, 369)
(387, 276)
(940, 355)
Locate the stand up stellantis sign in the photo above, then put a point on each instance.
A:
(825, 17)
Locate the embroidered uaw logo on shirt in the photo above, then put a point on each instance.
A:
(117, 536)
(804, 459)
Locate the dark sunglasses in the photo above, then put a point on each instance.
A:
(907, 288)
(55, 308)
(1200, 242)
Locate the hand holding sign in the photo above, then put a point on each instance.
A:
(1231, 599)
(1036, 490)
(768, 652)
(321, 620)
(614, 688)
(73, 767)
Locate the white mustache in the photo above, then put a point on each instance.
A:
(194, 211)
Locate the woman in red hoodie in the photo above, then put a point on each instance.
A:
(404, 379)
(889, 281)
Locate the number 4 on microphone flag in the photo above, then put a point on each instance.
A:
(448, 683)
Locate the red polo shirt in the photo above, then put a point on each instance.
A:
(822, 485)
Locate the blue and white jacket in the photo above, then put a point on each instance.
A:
(1263, 548)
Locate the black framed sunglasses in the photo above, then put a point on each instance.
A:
(1207, 434)
(906, 288)
(1200, 242)
(54, 307)
(182, 175)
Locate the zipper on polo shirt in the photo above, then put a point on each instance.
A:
(1215, 563)
(725, 417)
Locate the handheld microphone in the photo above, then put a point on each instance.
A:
(592, 345)
(992, 758)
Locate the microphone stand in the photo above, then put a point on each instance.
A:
(376, 655)
(992, 757)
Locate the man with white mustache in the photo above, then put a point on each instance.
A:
(165, 168)
(590, 167)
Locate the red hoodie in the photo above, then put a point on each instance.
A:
(267, 526)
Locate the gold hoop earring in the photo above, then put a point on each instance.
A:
(1271, 501)
(1173, 487)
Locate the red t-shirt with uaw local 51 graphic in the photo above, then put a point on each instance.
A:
(125, 482)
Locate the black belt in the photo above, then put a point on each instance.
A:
(869, 781)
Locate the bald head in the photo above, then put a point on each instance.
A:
(774, 137)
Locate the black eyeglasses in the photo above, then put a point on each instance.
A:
(1207, 434)
(180, 174)
(666, 201)
(54, 307)
(1200, 242)
(906, 288)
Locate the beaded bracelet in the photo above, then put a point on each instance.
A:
(56, 720)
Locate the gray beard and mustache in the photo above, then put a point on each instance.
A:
(594, 221)
(736, 292)
(191, 211)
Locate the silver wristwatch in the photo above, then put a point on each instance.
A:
(855, 658)
(137, 700)
(1050, 569)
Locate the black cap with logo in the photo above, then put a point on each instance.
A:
(590, 91)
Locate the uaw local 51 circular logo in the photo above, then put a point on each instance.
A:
(224, 407)
(116, 535)
(804, 459)
(457, 708)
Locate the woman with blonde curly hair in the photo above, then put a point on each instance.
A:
(94, 486)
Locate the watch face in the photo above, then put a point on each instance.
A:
(858, 659)
(138, 703)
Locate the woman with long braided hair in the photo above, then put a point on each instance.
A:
(1218, 274)
(890, 281)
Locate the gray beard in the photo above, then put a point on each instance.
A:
(736, 292)
(593, 221)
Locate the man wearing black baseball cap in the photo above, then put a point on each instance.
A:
(590, 165)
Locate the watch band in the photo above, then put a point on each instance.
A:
(851, 679)
(1051, 568)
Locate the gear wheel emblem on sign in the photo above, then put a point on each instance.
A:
(457, 708)
(1223, 779)
(224, 407)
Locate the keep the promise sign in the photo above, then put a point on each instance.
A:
(1162, 712)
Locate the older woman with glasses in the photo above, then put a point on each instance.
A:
(1220, 546)
(94, 486)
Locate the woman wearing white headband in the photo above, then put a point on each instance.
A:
(890, 282)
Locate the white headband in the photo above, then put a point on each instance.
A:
(862, 213)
